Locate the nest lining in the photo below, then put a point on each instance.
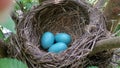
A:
(85, 24)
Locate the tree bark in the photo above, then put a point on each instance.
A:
(106, 44)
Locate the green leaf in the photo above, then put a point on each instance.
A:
(7, 40)
(16, 7)
(9, 24)
(92, 67)
(117, 28)
(1, 35)
(118, 67)
(28, 6)
(11, 63)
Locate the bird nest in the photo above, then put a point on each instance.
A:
(84, 23)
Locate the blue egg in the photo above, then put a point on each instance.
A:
(63, 37)
(58, 47)
(47, 40)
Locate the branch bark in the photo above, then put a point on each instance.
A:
(106, 44)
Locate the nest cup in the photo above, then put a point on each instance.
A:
(76, 18)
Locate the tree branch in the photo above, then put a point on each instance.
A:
(102, 45)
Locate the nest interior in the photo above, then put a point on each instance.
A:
(85, 24)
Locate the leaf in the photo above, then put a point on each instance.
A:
(1, 35)
(92, 67)
(117, 28)
(7, 40)
(11, 63)
(16, 7)
(28, 6)
(118, 67)
(9, 24)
